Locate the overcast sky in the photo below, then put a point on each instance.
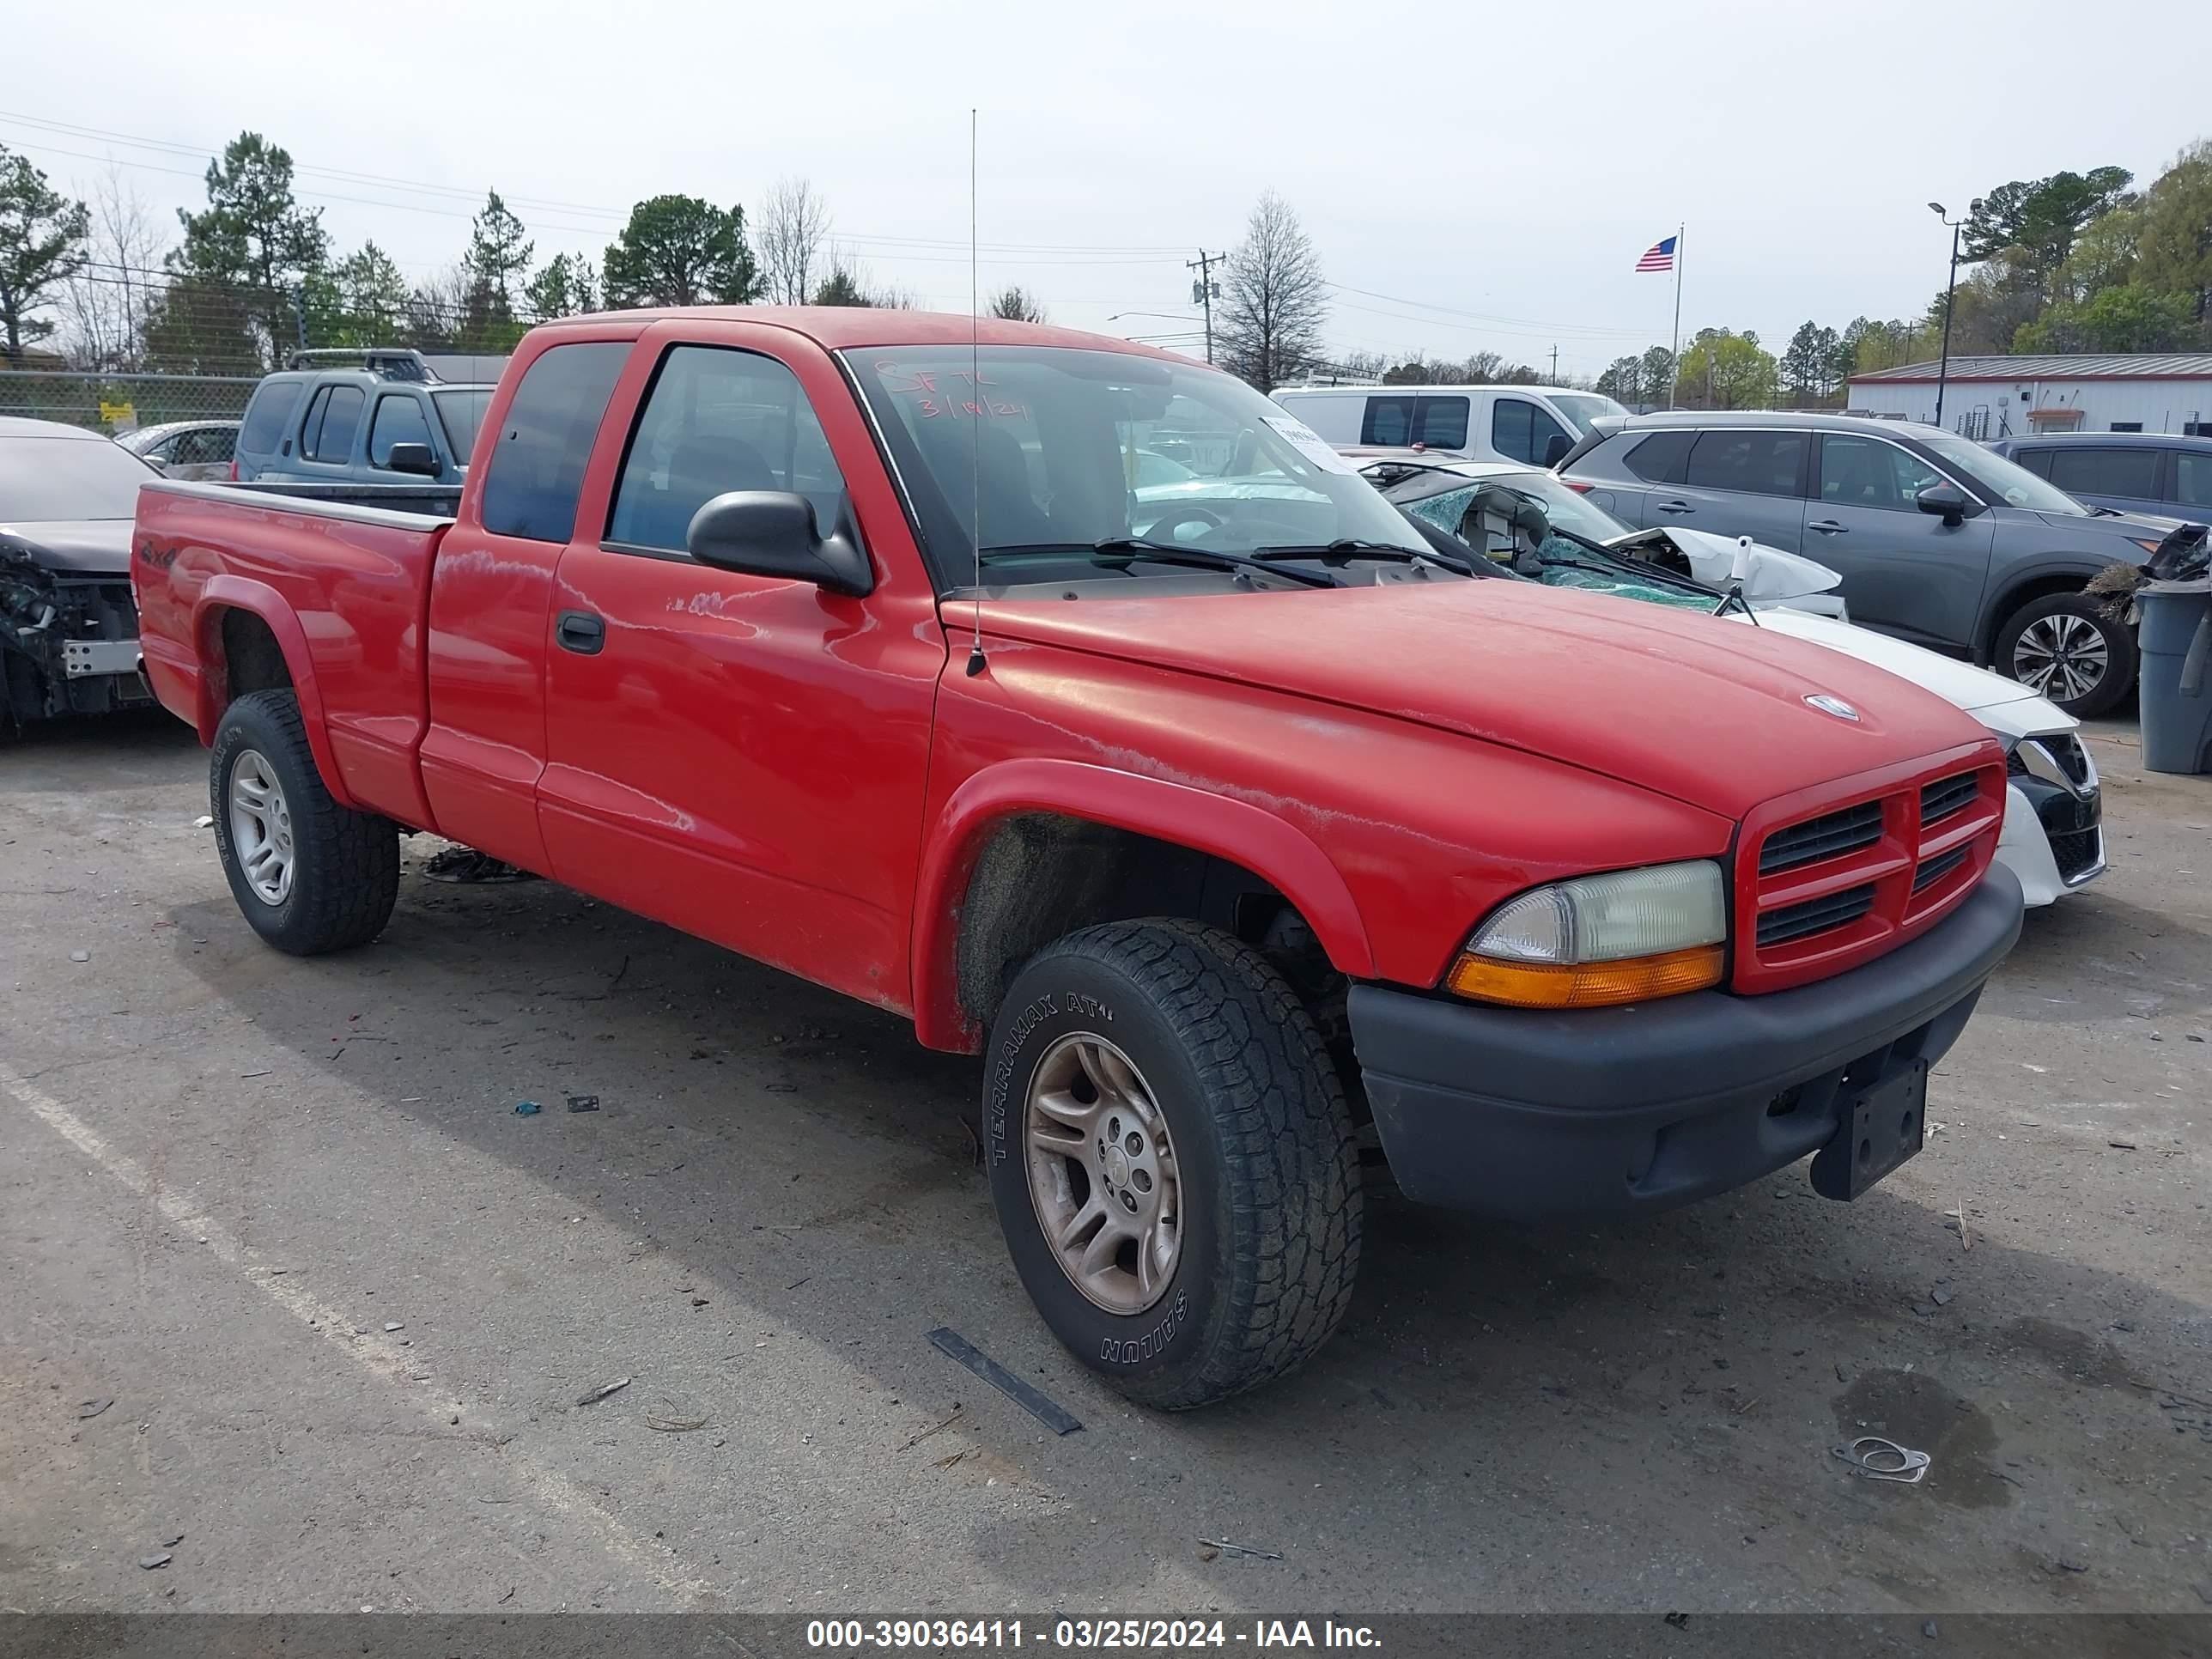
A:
(1495, 171)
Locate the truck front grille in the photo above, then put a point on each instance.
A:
(1828, 837)
(1821, 894)
(1814, 916)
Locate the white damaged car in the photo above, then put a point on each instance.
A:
(2053, 837)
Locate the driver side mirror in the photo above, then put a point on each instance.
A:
(418, 459)
(771, 532)
(1946, 502)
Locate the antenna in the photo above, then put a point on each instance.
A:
(976, 419)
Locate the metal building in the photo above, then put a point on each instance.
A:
(1986, 397)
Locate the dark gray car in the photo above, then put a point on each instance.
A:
(2128, 472)
(1938, 540)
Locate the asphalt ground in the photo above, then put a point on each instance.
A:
(347, 1305)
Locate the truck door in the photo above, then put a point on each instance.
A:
(742, 756)
(491, 594)
(1905, 571)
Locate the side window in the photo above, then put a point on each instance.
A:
(1661, 458)
(2037, 461)
(272, 406)
(1750, 462)
(537, 467)
(1511, 428)
(2193, 477)
(1388, 423)
(193, 448)
(1858, 472)
(1440, 423)
(332, 439)
(717, 420)
(312, 425)
(2106, 471)
(398, 420)
(1542, 429)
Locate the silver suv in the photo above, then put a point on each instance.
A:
(1938, 540)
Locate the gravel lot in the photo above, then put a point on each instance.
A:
(345, 1301)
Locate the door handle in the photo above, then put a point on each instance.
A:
(1676, 507)
(582, 632)
(1826, 526)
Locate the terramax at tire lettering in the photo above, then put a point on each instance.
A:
(1171, 1160)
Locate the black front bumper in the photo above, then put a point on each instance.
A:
(1542, 1116)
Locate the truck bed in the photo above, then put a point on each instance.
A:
(338, 576)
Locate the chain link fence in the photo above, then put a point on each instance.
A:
(120, 402)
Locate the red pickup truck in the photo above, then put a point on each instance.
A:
(1077, 702)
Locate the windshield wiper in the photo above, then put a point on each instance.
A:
(1353, 547)
(1128, 547)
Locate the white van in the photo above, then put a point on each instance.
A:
(1533, 424)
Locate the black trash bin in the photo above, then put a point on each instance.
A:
(2176, 644)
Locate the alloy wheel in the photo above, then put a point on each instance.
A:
(1102, 1174)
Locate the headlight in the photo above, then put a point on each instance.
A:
(1601, 940)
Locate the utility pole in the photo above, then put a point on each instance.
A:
(1950, 292)
(1555, 365)
(1204, 290)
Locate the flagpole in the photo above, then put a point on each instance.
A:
(1675, 352)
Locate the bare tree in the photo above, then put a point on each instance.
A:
(792, 229)
(1274, 300)
(104, 315)
(1017, 304)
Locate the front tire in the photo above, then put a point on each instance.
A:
(1171, 1160)
(309, 875)
(2065, 648)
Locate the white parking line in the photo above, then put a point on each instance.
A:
(379, 1354)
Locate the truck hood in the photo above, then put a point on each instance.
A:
(2006, 706)
(94, 547)
(1689, 706)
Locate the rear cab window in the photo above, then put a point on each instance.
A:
(545, 441)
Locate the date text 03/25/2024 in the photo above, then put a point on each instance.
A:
(935, 1635)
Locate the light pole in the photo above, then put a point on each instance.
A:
(1950, 288)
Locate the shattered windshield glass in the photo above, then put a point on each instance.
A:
(1563, 562)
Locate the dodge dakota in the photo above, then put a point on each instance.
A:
(1242, 834)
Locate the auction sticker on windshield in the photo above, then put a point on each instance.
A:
(1308, 442)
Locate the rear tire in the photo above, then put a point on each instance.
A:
(310, 876)
(1211, 1105)
(2056, 643)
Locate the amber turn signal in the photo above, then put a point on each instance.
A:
(1588, 984)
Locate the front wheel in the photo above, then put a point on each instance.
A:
(1171, 1160)
(2064, 646)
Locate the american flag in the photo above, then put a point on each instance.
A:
(1661, 258)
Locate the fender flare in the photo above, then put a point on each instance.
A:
(225, 591)
(2072, 567)
(1274, 849)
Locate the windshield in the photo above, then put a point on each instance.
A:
(1559, 562)
(1996, 475)
(1065, 449)
(58, 479)
(463, 412)
(1584, 409)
